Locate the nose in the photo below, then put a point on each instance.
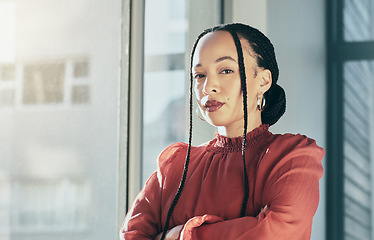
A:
(211, 86)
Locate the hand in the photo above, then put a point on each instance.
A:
(171, 234)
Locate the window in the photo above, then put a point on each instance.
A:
(161, 62)
(164, 79)
(358, 18)
(358, 138)
(7, 85)
(54, 204)
(44, 83)
(63, 83)
(63, 106)
(7, 73)
(350, 159)
(81, 69)
(59, 124)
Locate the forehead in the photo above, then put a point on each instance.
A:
(218, 44)
(218, 38)
(215, 43)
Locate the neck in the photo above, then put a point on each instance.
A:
(236, 130)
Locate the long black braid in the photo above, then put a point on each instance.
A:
(275, 96)
(243, 80)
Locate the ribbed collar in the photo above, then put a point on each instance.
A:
(253, 137)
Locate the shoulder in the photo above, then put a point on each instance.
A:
(174, 156)
(172, 159)
(172, 152)
(292, 150)
(178, 151)
(286, 144)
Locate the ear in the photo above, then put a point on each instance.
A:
(266, 80)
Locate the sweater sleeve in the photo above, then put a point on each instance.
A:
(289, 194)
(143, 220)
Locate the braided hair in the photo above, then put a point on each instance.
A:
(263, 51)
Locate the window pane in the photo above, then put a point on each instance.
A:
(43, 83)
(60, 204)
(358, 147)
(6, 97)
(80, 94)
(81, 69)
(164, 78)
(358, 19)
(7, 72)
(59, 120)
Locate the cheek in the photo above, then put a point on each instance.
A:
(233, 90)
(198, 91)
(252, 92)
(251, 96)
(198, 94)
(235, 98)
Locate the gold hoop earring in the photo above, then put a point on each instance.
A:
(260, 102)
(197, 113)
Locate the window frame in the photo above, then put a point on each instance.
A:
(136, 68)
(338, 52)
(123, 117)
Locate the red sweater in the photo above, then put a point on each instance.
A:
(283, 172)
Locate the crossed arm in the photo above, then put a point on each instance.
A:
(289, 192)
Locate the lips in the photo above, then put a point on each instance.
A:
(213, 105)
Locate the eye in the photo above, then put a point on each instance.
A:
(199, 76)
(226, 71)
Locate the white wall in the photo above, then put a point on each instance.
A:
(252, 12)
(297, 30)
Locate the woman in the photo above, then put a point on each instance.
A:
(247, 183)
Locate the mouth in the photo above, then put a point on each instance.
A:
(213, 105)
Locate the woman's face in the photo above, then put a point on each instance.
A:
(217, 84)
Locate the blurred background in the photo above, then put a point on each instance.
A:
(92, 91)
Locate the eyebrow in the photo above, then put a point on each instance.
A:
(225, 58)
(219, 60)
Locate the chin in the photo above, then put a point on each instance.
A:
(216, 122)
(221, 120)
